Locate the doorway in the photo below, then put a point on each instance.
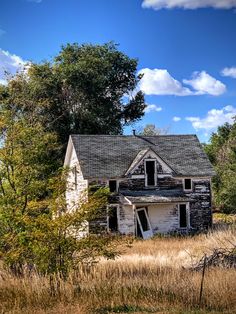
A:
(143, 223)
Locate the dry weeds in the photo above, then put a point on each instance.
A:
(150, 277)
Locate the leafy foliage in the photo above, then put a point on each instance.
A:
(152, 130)
(36, 231)
(222, 153)
(81, 91)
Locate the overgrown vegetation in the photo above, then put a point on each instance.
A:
(37, 233)
(152, 276)
(222, 153)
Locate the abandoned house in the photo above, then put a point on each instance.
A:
(161, 184)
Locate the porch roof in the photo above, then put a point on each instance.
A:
(155, 196)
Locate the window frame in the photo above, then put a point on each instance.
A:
(155, 172)
(75, 177)
(117, 185)
(117, 215)
(191, 183)
(187, 216)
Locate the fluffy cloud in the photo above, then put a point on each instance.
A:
(203, 83)
(189, 4)
(10, 64)
(152, 108)
(214, 118)
(160, 82)
(229, 72)
(176, 119)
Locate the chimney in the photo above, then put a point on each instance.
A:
(134, 132)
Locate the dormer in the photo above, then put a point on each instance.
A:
(148, 165)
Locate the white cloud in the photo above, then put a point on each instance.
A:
(214, 118)
(152, 108)
(229, 72)
(160, 82)
(176, 119)
(10, 64)
(204, 83)
(189, 4)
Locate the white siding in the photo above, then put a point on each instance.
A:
(164, 217)
(75, 195)
(126, 221)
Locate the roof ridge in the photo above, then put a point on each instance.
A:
(129, 135)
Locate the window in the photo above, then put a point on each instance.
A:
(187, 184)
(113, 185)
(150, 172)
(112, 219)
(183, 223)
(75, 177)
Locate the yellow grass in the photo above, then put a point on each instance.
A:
(147, 278)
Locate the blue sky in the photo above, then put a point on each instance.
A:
(186, 48)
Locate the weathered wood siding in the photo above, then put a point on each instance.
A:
(126, 219)
(200, 208)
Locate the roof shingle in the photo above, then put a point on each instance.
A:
(109, 156)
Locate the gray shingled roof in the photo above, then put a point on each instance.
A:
(109, 156)
(155, 196)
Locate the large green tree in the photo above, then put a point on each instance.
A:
(36, 229)
(222, 153)
(87, 89)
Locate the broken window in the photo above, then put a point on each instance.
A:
(183, 216)
(187, 184)
(113, 185)
(112, 219)
(150, 172)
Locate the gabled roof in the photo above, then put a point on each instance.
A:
(110, 156)
(139, 158)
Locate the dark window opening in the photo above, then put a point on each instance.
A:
(150, 172)
(75, 177)
(113, 185)
(187, 184)
(143, 220)
(182, 216)
(112, 219)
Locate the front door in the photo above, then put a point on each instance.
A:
(144, 223)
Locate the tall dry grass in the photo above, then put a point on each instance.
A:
(152, 276)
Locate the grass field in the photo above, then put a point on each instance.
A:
(151, 276)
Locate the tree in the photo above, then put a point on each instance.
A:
(36, 231)
(222, 153)
(151, 130)
(81, 91)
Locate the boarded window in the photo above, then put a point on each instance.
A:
(187, 184)
(113, 185)
(182, 216)
(150, 172)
